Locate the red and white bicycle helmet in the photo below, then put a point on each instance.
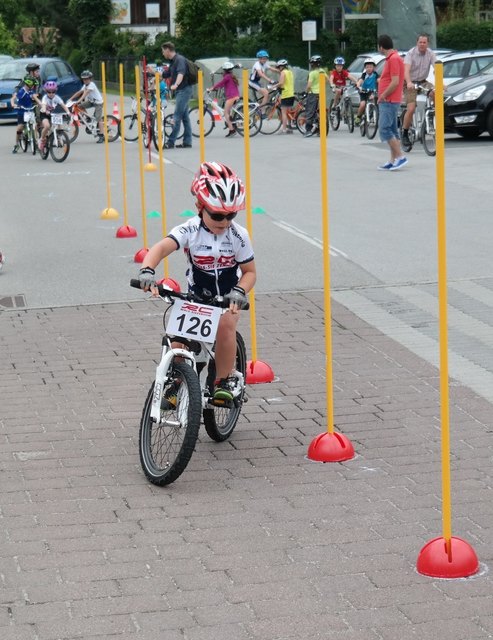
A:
(218, 188)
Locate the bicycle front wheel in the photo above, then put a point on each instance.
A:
(301, 122)
(194, 114)
(112, 128)
(348, 107)
(406, 146)
(131, 126)
(166, 447)
(220, 422)
(254, 119)
(334, 116)
(428, 137)
(59, 145)
(33, 139)
(371, 121)
(271, 120)
(24, 141)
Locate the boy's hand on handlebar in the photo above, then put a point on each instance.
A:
(147, 278)
(237, 299)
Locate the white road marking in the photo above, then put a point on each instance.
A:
(304, 236)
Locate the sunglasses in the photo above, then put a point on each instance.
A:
(219, 217)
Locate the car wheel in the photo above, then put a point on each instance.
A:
(489, 122)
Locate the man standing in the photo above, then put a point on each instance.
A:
(417, 65)
(389, 100)
(178, 73)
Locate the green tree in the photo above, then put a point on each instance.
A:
(8, 44)
(89, 15)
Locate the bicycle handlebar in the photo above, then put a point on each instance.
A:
(165, 292)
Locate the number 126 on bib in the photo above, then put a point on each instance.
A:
(194, 321)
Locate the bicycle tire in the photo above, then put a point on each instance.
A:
(334, 116)
(131, 128)
(301, 122)
(112, 128)
(195, 121)
(72, 130)
(372, 121)
(406, 146)
(24, 142)
(219, 422)
(148, 131)
(165, 449)
(59, 148)
(271, 120)
(348, 108)
(33, 140)
(169, 123)
(428, 135)
(362, 126)
(254, 120)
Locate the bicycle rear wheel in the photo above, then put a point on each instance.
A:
(271, 120)
(371, 121)
(166, 448)
(131, 126)
(194, 114)
(220, 422)
(334, 116)
(254, 119)
(301, 122)
(59, 146)
(428, 137)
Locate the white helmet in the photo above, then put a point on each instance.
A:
(228, 66)
(282, 63)
(368, 61)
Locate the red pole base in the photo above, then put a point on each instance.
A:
(458, 561)
(258, 372)
(126, 232)
(172, 284)
(330, 447)
(140, 255)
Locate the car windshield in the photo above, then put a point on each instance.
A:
(488, 70)
(13, 70)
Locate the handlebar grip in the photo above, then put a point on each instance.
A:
(164, 291)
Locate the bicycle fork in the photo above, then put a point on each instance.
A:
(167, 356)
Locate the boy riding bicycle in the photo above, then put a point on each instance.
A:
(25, 100)
(220, 259)
(89, 96)
(338, 79)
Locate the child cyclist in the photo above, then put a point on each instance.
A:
(89, 96)
(220, 259)
(259, 73)
(338, 79)
(49, 102)
(313, 95)
(25, 100)
(231, 92)
(367, 84)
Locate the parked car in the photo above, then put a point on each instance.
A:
(469, 105)
(462, 64)
(12, 72)
(4, 57)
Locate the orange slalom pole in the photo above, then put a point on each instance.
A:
(109, 213)
(160, 126)
(141, 159)
(329, 446)
(200, 89)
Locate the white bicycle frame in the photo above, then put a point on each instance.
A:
(167, 356)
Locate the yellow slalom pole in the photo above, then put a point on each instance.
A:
(141, 158)
(326, 253)
(122, 136)
(200, 89)
(248, 181)
(442, 306)
(160, 125)
(109, 212)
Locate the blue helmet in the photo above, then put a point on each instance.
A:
(262, 53)
(339, 60)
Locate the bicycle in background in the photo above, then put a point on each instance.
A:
(271, 113)
(369, 119)
(149, 123)
(343, 112)
(80, 118)
(57, 143)
(183, 389)
(30, 134)
(423, 126)
(211, 108)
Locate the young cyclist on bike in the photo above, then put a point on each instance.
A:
(286, 85)
(49, 102)
(313, 93)
(258, 73)
(231, 93)
(366, 84)
(25, 99)
(338, 79)
(220, 258)
(89, 96)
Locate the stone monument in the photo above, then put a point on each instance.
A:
(404, 20)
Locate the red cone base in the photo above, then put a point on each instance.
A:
(140, 255)
(434, 561)
(126, 232)
(172, 284)
(330, 447)
(258, 372)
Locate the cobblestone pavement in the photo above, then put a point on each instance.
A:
(254, 541)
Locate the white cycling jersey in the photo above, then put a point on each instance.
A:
(213, 259)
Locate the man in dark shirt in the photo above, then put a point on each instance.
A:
(178, 73)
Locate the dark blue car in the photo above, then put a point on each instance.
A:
(12, 71)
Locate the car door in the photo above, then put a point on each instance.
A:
(68, 82)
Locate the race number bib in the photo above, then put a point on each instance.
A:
(29, 116)
(56, 119)
(193, 320)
